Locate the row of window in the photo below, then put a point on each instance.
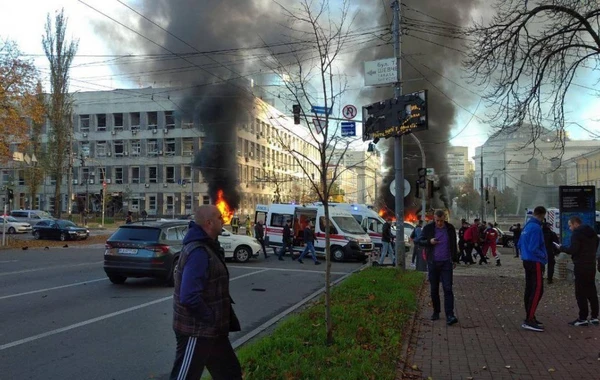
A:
(131, 120)
(124, 148)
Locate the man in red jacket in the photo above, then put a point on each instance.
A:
(490, 238)
(472, 239)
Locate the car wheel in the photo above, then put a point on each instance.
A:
(242, 254)
(12, 230)
(116, 279)
(510, 243)
(36, 235)
(63, 236)
(170, 280)
(337, 253)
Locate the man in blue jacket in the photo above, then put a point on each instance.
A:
(202, 311)
(534, 256)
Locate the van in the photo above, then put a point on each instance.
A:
(348, 239)
(30, 216)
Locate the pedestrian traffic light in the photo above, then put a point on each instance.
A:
(296, 112)
(421, 181)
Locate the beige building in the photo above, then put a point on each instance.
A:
(584, 170)
(363, 177)
(458, 164)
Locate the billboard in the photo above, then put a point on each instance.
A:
(576, 201)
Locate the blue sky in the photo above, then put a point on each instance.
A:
(583, 104)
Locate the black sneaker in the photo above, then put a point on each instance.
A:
(594, 321)
(451, 320)
(579, 322)
(549, 281)
(435, 316)
(317, 263)
(300, 261)
(281, 259)
(532, 326)
(498, 263)
(538, 322)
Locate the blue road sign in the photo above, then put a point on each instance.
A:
(320, 110)
(348, 128)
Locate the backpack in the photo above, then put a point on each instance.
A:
(468, 234)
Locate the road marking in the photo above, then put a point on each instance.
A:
(98, 319)
(53, 288)
(46, 268)
(8, 261)
(286, 270)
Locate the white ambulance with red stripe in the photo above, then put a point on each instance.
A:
(347, 238)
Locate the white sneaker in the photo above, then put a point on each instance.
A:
(595, 321)
(412, 265)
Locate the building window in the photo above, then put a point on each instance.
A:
(135, 174)
(188, 146)
(152, 203)
(101, 125)
(170, 203)
(102, 172)
(188, 203)
(205, 200)
(119, 148)
(136, 147)
(170, 174)
(101, 149)
(84, 123)
(152, 147)
(119, 176)
(169, 147)
(85, 148)
(169, 119)
(187, 173)
(134, 119)
(21, 176)
(152, 120)
(153, 174)
(118, 126)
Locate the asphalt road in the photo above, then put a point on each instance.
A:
(62, 319)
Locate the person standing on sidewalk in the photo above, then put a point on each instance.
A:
(516, 230)
(584, 243)
(550, 239)
(533, 254)
(414, 236)
(386, 242)
(259, 234)
(309, 240)
(439, 240)
(203, 315)
(286, 242)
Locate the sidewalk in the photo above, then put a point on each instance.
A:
(488, 342)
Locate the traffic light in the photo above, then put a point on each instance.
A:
(430, 189)
(82, 160)
(421, 182)
(296, 112)
(9, 194)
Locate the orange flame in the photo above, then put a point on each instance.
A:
(410, 217)
(226, 211)
(385, 214)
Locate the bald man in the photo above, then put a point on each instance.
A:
(202, 311)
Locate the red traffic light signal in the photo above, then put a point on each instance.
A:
(104, 184)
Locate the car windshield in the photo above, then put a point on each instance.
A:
(136, 233)
(10, 219)
(348, 224)
(66, 224)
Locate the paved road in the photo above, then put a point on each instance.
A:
(61, 318)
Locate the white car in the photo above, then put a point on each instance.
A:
(13, 226)
(239, 247)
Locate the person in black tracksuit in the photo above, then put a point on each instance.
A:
(259, 234)
(550, 238)
(584, 243)
(286, 242)
(516, 230)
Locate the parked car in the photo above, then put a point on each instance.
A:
(13, 226)
(59, 229)
(32, 217)
(145, 249)
(505, 238)
(239, 247)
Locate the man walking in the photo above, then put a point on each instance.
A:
(534, 256)
(490, 238)
(259, 234)
(235, 224)
(386, 242)
(473, 241)
(414, 236)
(516, 230)
(439, 240)
(202, 311)
(584, 243)
(286, 241)
(309, 240)
(465, 255)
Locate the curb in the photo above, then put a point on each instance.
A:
(409, 338)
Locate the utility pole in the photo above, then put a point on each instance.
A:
(398, 141)
(423, 165)
(481, 218)
(70, 176)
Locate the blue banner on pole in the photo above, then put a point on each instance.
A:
(320, 110)
(348, 128)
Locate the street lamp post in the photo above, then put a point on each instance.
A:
(467, 210)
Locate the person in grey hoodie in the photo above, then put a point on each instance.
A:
(584, 244)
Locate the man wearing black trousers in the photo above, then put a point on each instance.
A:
(439, 240)
(584, 243)
(286, 241)
(550, 239)
(259, 234)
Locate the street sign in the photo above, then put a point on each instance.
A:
(319, 124)
(382, 71)
(430, 171)
(320, 110)
(349, 112)
(348, 128)
(406, 188)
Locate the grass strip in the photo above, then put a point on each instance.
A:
(369, 309)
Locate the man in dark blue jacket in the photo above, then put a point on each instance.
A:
(534, 256)
(286, 241)
(202, 311)
(309, 240)
(439, 240)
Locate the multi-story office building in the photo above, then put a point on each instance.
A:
(458, 164)
(139, 144)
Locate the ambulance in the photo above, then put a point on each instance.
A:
(348, 239)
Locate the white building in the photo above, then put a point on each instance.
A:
(458, 164)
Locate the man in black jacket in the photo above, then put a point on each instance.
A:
(439, 240)
(386, 242)
(286, 242)
(584, 243)
(516, 230)
(259, 234)
(550, 239)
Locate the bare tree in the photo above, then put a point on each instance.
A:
(60, 55)
(529, 54)
(326, 31)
